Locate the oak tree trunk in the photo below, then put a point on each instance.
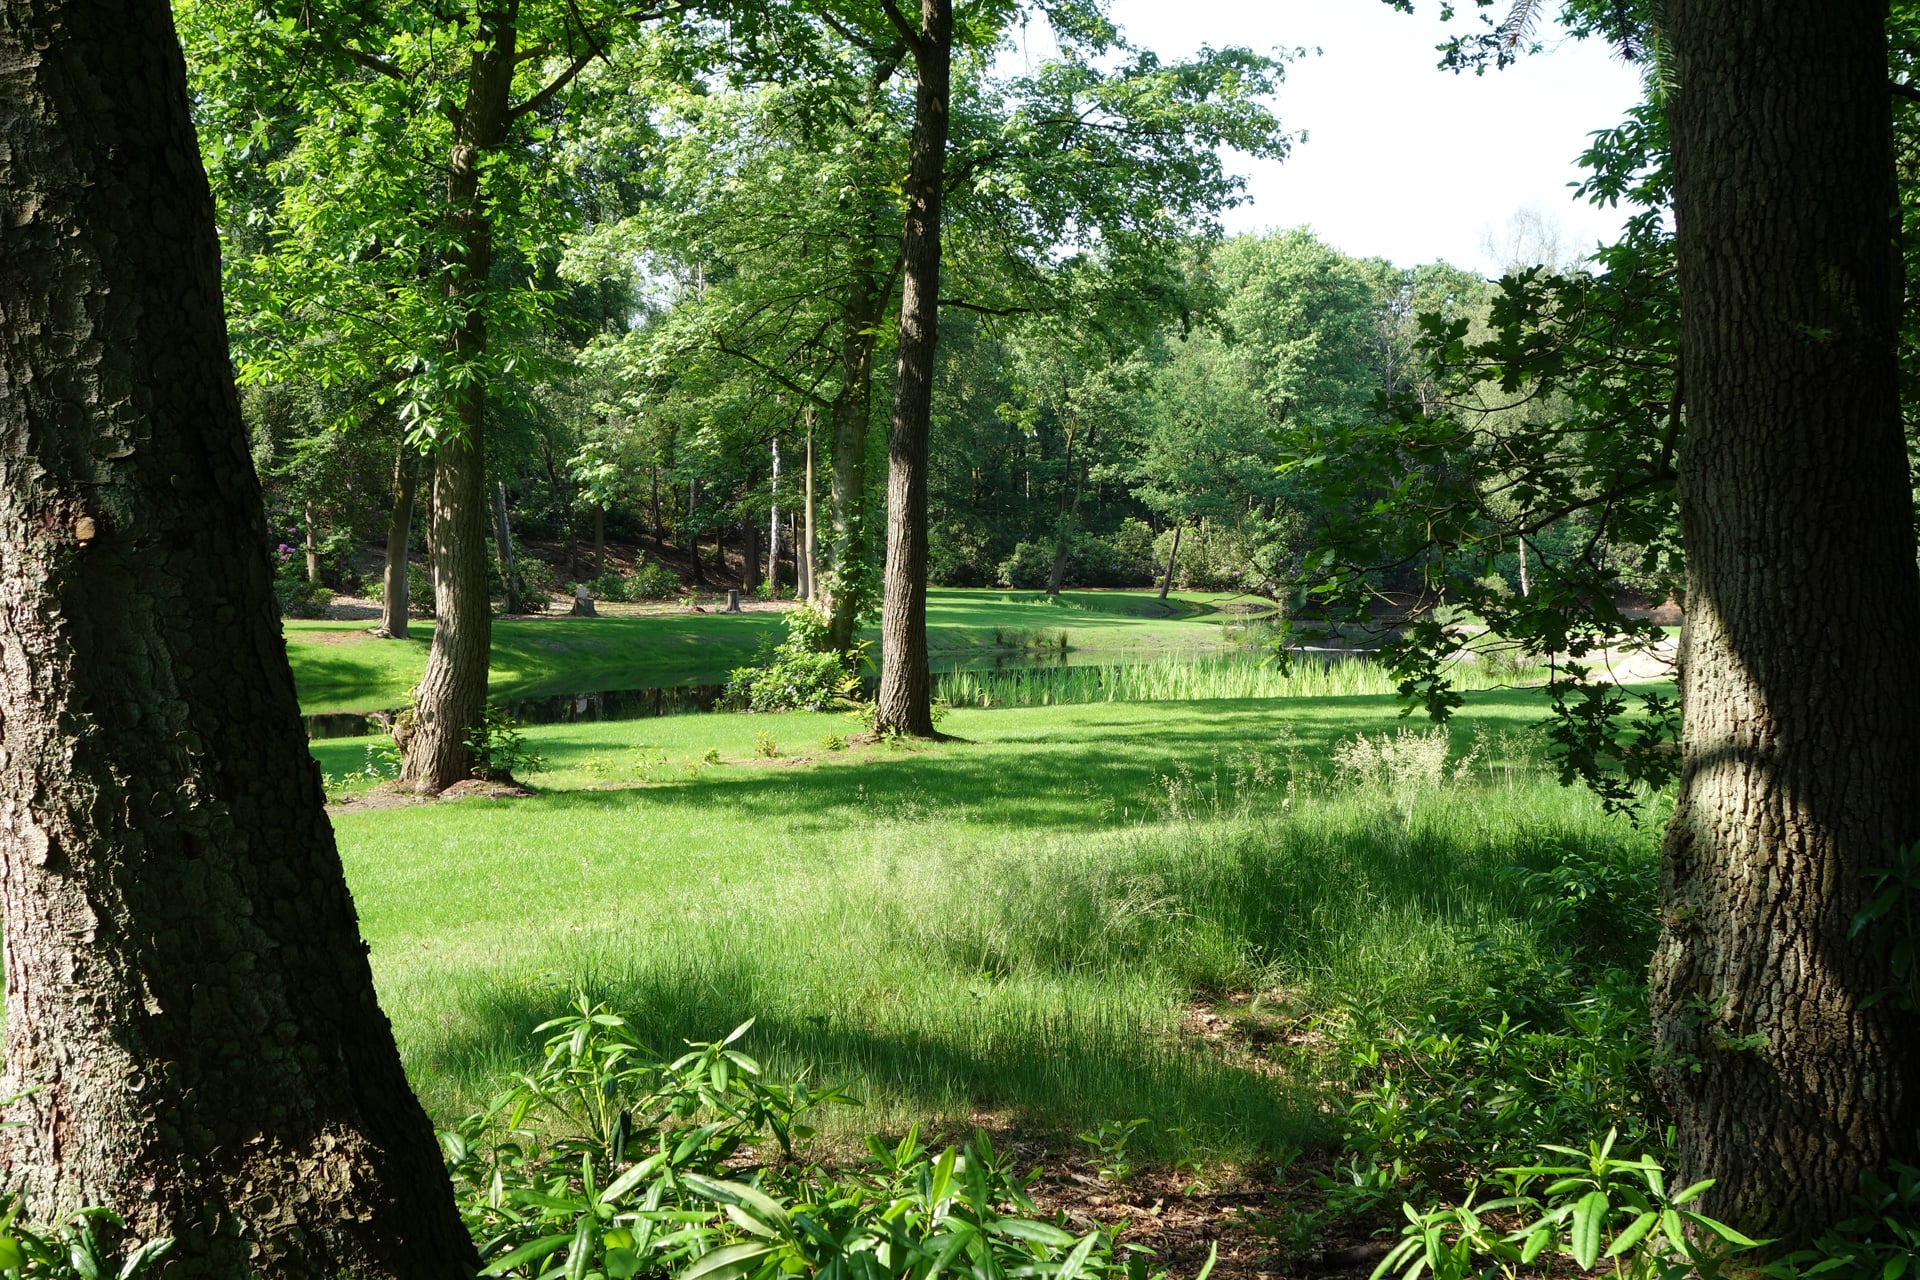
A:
(451, 699)
(1801, 748)
(393, 598)
(905, 701)
(187, 997)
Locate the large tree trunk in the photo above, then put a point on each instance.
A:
(192, 1036)
(1801, 750)
(393, 597)
(451, 700)
(905, 701)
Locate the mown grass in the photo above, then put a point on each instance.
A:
(1011, 925)
(338, 666)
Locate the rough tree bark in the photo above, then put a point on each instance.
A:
(1801, 749)
(905, 701)
(186, 990)
(451, 701)
(393, 598)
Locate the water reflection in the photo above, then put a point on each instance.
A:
(642, 704)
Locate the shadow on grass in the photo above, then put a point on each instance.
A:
(1104, 770)
(1038, 1075)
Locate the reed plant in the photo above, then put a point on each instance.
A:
(1189, 679)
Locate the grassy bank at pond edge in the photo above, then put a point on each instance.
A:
(338, 666)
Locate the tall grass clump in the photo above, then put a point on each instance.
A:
(1045, 972)
(1172, 679)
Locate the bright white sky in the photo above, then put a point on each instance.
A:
(1404, 161)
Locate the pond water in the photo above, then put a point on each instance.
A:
(642, 704)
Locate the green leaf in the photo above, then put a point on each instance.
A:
(581, 1250)
(1633, 1234)
(1588, 1217)
(726, 1264)
(1725, 1232)
(1035, 1232)
(1078, 1258)
(632, 1178)
(529, 1252)
(762, 1205)
(622, 1264)
(12, 1257)
(1693, 1192)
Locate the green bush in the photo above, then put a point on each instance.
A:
(498, 750)
(801, 673)
(1029, 567)
(654, 581)
(297, 597)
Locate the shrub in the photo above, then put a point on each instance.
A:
(498, 750)
(419, 590)
(297, 597)
(537, 577)
(654, 581)
(1030, 565)
(801, 673)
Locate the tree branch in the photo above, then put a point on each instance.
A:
(372, 62)
(908, 32)
(559, 82)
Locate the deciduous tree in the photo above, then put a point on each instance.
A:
(192, 1036)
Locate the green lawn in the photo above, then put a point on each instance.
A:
(338, 666)
(1008, 926)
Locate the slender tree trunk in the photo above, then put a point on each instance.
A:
(313, 545)
(751, 569)
(1173, 558)
(846, 584)
(451, 699)
(1526, 586)
(599, 539)
(512, 598)
(1801, 754)
(393, 598)
(905, 701)
(1064, 527)
(192, 1036)
(773, 530)
(804, 563)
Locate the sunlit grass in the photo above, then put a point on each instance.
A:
(1011, 925)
